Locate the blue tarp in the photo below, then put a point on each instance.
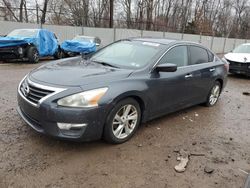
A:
(45, 42)
(79, 47)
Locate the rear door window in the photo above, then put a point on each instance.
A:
(177, 55)
(198, 55)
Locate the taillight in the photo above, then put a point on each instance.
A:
(226, 66)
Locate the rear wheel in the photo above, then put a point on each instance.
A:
(33, 55)
(214, 94)
(123, 121)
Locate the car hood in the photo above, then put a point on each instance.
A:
(14, 41)
(238, 57)
(77, 72)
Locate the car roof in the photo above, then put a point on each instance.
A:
(28, 29)
(246, 44)
(87, 37)
(168, 42)
(164, 41)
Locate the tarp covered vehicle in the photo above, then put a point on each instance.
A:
(80, 44)
(29, 44)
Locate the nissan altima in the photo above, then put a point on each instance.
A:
(239, 60)
(124, 84)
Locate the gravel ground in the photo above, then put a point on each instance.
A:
(220, 136)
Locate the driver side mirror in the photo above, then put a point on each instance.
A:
(167, 67)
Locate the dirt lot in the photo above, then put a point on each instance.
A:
(221, 133)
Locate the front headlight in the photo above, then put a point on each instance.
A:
(20, 50)
(85, 99)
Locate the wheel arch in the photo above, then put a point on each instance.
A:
(138, 97)
(221, 82)
(28, 46)
(134, 95)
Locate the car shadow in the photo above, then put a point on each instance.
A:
(69, 145)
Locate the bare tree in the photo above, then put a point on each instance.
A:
(227, 18)
(127, 7)
(44, 11)
(10, 10)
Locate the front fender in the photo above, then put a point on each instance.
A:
(130, 88)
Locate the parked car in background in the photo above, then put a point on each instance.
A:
(80, 44)
(29, 44)
(118, 87)
(239, 60)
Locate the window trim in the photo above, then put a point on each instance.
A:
(206, 49)
(189, 51)
(176, 47)
(159, 59)
(187, 45)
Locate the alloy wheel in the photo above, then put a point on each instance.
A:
(36, 56)
(215, 93)
(125, 121)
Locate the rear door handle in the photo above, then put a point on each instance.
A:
(212, 69)
(188, 76)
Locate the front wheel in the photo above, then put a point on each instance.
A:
(214, 94)
(123, 121)
(33, 55)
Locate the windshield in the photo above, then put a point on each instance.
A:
(128, 54)
(23, 33)
(83, 39)
(244, 48)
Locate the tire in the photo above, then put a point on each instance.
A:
(58, 54)
(214, 94)
(118, 128)
(33, 55)
(65, 54)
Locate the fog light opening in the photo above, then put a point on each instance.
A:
(68, 126)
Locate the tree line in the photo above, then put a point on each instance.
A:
(226, 18)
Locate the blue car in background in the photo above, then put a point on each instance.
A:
(80, 44)
(29, 45)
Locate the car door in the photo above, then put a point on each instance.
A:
(169, 89)
(201, 62)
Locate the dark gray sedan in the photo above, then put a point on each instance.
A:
(122, 85)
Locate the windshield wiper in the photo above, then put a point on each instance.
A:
(105, 63)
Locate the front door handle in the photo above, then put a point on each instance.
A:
(212, 69)
(188, 76)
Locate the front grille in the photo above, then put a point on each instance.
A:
(31, 120)
(234, 64)
(32, 92)
(8, 53)
(8, 49)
